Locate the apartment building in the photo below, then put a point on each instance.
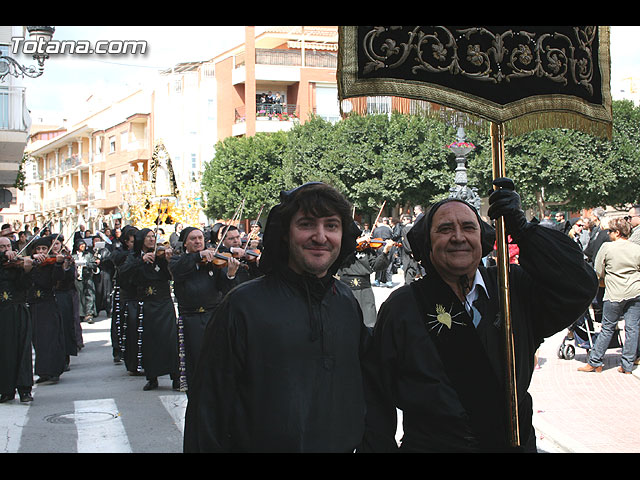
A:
(79, 176)
(82, 174)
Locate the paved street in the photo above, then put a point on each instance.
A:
(95, 408)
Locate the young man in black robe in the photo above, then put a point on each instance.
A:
(437, 353)
(199, 286)
(16, 366)
(279, 369)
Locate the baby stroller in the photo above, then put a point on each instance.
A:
(584, 336)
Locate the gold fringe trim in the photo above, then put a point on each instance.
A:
(533, 113)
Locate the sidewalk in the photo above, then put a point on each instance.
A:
(585, 412)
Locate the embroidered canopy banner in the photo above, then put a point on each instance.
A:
(523, 77)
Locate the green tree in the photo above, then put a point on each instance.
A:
(246, 168)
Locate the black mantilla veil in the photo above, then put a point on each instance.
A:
(420, 240)
(318, 199)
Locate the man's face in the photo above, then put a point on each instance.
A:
(5, 244)
(194, 242)
(559, 217)
(232, 239)
(55, 247)
(635, 218)
(456, 248)
(314, 243)
(150, 241)
(41, 249)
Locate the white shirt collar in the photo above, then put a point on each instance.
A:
(478, 282)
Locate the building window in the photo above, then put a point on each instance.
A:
(112, 144)
(112, 183)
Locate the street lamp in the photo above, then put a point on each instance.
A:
(461, 149)
(39, 35)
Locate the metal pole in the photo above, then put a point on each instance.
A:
(497, 151)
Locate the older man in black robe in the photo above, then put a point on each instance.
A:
(199, 286)
(437, 352)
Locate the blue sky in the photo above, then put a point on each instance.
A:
(69, 79)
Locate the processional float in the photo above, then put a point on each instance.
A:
(507, 80)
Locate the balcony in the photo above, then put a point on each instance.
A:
(15, 122)
(291, 58)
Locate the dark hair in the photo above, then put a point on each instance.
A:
(314, 198)
(317, 199)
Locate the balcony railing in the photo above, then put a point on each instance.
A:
(13, 111)
(269, 111)
(293, 58)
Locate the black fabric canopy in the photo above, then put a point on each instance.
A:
(522, 76)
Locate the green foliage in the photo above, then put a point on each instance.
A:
(403, 160)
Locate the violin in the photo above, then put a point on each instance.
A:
(373, 243)
(221, 259)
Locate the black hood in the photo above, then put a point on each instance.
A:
(275, 253)
(139, 240)
(420, 240)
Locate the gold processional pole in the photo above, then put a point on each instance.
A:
(498, 161)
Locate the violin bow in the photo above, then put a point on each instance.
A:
(233, 219)
(378, 217)
(33, 238)
(249, 237)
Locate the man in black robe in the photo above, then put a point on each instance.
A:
(147, 269)
(232, 243)
(16, 366)
(199, 286)
(279, 369)
(356, 273)
(437, 353)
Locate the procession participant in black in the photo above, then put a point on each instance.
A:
(48, 329)
(437, 353)
(63, 289)
(232, 243)
(147, 269)
(120, 295)
(279, 369)
(356, 273)
(16, 365)
(102, 275)
(199, 286)
(85, 267)
(130, 329)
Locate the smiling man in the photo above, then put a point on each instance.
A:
(280, 363)
(437, 350)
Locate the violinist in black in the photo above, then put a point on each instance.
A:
(356, 272)
(48, 330)
(147, 269)
(16, 367)
(249, 257)
(199, 285)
